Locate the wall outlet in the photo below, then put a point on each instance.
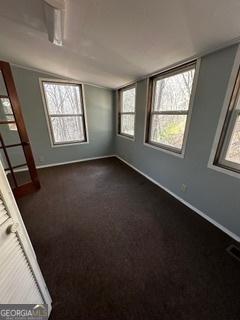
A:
(184, 187)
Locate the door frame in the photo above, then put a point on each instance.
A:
(24, 140)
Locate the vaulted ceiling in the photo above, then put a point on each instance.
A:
(113, 42)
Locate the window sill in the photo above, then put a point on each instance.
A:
(224, 170)
(126, 137)
(178, 155)
(68, 144)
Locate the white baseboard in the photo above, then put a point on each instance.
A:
(67, 162)
(205, 216)
(74, 161)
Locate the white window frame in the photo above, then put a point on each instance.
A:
(195, 64)
(119, 112)
(49, 124)
(226, 123)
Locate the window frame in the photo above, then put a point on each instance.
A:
(120, 113)
(194, 64)
(48, 116)
(227, 130)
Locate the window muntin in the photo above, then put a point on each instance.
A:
(127, 101)
(170, 95)
(65, 112)
(228, 151)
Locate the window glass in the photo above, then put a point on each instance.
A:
(173, 93)
(168, 129)
(65, 112)
(128, 100)
(233, 151)
(127, 111)
(169, 109)
(228, 150)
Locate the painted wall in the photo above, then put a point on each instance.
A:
(99, 114)
(215, 194)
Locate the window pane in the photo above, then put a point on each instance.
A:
(7, 113)
(62, 98)
(67, 129)
(9, 135)
(173, 93)
(168, 130)
(128, 100)
(6, 105)
(11, 126)
(233, 152)
(127, 124)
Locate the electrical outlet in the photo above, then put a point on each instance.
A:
(184, 187)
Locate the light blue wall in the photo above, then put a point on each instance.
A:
(99, 110)
(214, 193)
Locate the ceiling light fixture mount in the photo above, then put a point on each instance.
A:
(54, 11)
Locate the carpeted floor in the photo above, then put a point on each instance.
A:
(113, 246)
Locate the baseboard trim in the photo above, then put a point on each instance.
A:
(203, 215)
(68, 162)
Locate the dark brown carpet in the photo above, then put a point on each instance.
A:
(114, 246)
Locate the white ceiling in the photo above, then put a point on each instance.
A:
(113, 42)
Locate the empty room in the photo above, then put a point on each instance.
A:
(119, 160)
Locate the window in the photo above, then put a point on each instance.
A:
(65, 112)
(126, 123)
(169, 108)
(8, 113)
(228, 151)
